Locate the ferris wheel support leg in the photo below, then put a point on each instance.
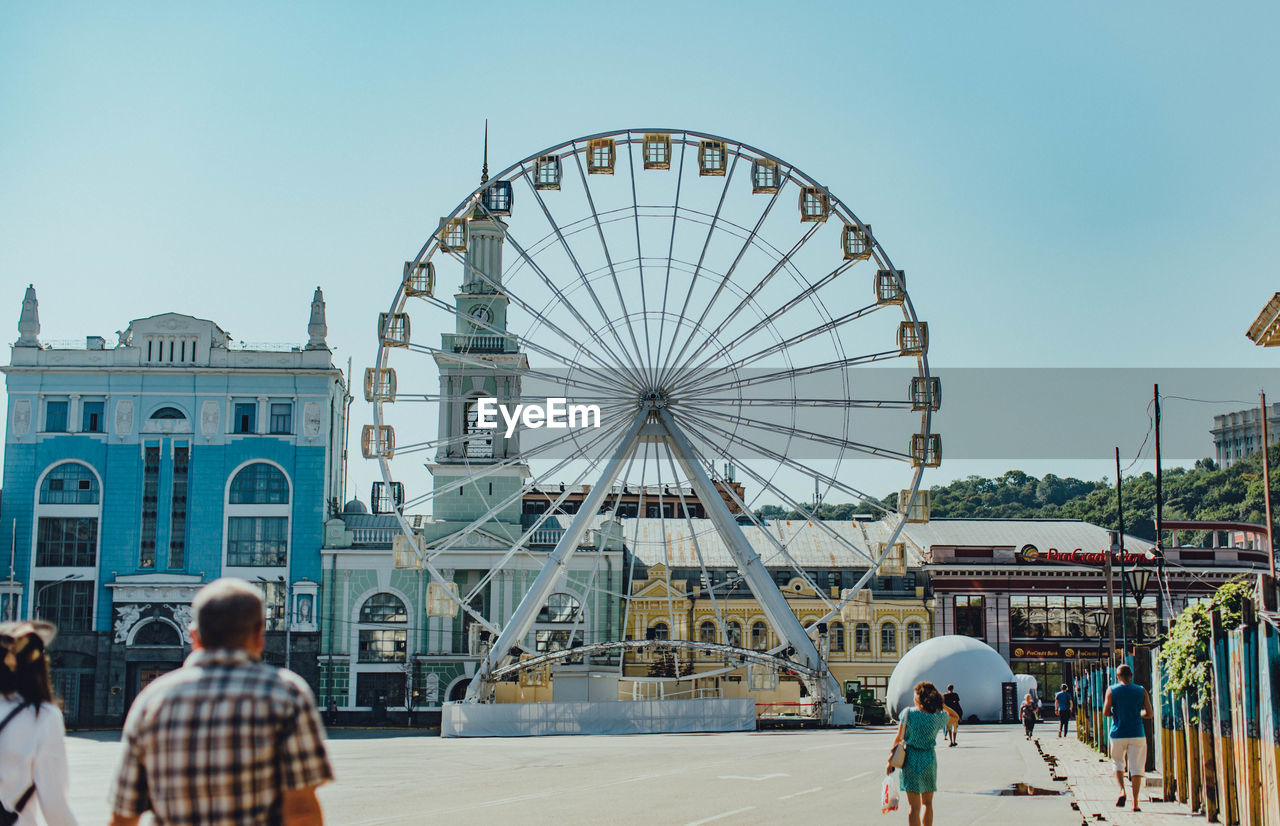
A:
(526, 613)
(772, 602)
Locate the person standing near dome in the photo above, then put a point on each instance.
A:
(918, 731)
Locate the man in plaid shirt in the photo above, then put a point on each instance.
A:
(225, 739)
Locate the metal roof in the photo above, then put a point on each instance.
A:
(682, 542)
(1045, 534)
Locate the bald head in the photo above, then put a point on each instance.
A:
(228, 614)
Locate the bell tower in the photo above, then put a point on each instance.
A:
(478, 359)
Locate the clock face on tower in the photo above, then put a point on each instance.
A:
(481, 314)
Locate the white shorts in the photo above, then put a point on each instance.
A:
(1134, 749)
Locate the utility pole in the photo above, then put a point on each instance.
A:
(1124, 623)
(1266, 487)
(1159, 521)
(13, 582)
(1111, 599)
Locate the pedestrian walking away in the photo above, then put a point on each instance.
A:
(225, 738)
(1127, 704)
(1029, 713)
(952, 701)
(1064, 705)
(33, 750)
(918, 731)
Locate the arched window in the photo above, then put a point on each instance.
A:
(759, 635)
(560, 608)
(70, 483)
(836, 636)
(157, 633)
(260, 484)
(707, 631)
(168, 413)
(888, 638)
(658, 631)
(383, 608)
(862, 638)
(915, 634)
(733, 633)
(479, 441)
(383, 645)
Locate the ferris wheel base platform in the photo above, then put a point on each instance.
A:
(594, 717)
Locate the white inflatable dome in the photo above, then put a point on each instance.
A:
(975, 668)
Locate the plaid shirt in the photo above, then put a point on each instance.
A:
(219, 741)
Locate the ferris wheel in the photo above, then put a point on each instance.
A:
(693, 328)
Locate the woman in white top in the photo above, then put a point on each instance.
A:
(33, 754)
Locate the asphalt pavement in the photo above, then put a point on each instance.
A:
(816, 777)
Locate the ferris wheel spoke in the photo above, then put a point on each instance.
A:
(698, 379)
(779, 548)
(521, 341)
(799, 401)
(724, 280)
(476, 361)
(671, 247)
(702, 256)
(609, 322)
(772, 317)
(784, 261)
(635, 210)
(484, 471)
(697, 547)
(521, 544)
(463, 438)
(819, 438)
(450, 542)
(616, 361)
(799, 507)
(785, 375)
(785, 460)
(641, 362)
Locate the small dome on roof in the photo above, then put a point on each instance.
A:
(355, 506)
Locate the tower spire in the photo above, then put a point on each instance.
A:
(29, 320)
(317, 328)
(484, 171)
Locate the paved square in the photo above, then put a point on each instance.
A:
(389, 777)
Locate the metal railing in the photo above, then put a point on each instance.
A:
(479, 343)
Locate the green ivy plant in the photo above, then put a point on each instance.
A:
(1184, 654)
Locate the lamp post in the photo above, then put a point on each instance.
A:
(288, 613)
(1136, 580)
(1102, 619)
(35, 595)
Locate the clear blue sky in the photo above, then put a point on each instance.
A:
(1072, 184)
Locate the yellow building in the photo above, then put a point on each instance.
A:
(684, 586)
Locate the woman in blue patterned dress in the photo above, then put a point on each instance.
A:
(918, 731)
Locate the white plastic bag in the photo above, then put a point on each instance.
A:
(889, 795)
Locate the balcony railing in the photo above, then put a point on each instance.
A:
(479, 343)
(373, 536)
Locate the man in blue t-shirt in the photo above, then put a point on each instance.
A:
(1127, 704)
(1062, 704)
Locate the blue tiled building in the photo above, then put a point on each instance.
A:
(135, 473)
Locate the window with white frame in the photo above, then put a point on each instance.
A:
(258, 517)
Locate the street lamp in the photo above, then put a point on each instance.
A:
(288, 614)
(1102, 619)
(35, 596)
(1136, 579)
